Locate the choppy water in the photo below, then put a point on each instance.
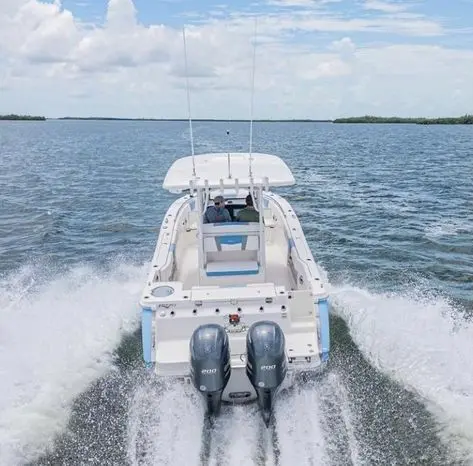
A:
(388, 212)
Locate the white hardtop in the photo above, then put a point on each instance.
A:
(224, 170)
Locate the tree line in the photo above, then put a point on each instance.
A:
(22, 117)
(463, 120)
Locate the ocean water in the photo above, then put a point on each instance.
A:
(388, 213)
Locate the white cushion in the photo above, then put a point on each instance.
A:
(228, 268)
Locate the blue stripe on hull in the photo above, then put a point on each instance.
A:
(324, 328)
(147, 334)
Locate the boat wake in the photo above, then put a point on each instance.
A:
(238, 436)
(57, 335)
(423, 343)
(312, 426)
(164, 423)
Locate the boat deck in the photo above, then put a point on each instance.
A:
(277, 271)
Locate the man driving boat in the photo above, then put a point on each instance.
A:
(217, 213)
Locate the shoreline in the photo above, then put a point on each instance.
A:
(195, 119)
(463, 120)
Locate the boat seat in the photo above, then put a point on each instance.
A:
(231, 249)
(268, 218)
(230, 268)
(231, 243)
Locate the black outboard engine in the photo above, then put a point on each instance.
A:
(210, 363)
(266, 364)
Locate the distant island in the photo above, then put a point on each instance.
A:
(463, 120)
(22, 118)
(196, 119)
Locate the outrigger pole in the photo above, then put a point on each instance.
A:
(252, 100)
(188, 101)
(229, 150)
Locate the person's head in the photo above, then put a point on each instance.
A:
(219, 201)
(249, 200)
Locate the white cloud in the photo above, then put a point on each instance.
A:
(290, 3)
(57, 65)
(121, 15)
(387, 7)
(49, 33)
(304, 3)
(411, 27)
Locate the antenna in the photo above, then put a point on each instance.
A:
(188, 101)
(228, 154)
(252, 97)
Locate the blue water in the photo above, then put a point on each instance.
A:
(388, 213)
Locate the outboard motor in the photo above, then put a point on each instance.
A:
(266, 364)
(210, 363)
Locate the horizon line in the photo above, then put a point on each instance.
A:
(323, 120)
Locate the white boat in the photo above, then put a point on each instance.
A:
(238, 309)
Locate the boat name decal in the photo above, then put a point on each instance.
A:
(239, 328)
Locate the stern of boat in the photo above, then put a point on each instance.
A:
(170, 316)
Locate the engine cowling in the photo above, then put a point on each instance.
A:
(266, 363)
(210, 363)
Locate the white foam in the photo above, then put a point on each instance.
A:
(301, 436)
(448, 227)
(333, 388)
(164, 425)
(53, 343)
(238, 435)
(422, 343)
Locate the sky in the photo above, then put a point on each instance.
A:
(313, 58)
